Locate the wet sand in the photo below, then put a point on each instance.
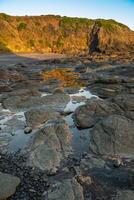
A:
(7, 59)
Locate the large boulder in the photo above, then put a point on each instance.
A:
(87, 115)
(8, 184)
(37, 116)
(113, 135)
(68, 189)
(50, 145)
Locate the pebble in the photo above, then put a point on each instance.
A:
(27, 130)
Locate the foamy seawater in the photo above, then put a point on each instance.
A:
(78, 99)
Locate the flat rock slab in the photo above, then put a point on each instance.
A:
(37, 116)
(8, 184)
(15, 103)
(68, 189)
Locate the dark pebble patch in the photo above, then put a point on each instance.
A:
(33, 181)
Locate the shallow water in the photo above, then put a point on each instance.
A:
(17, 140)
(10, 137)
(80, 137)
(75, 103)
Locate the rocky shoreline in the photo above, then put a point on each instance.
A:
(67, 129)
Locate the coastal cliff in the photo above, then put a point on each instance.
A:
(63, 35)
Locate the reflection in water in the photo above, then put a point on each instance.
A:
(80, 138)
(66, 76)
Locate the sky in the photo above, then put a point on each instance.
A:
(120, 10)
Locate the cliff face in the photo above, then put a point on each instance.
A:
(62, 35)
(113, 36)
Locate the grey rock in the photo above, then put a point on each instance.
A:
(27, 130)
(49, 145)
(125, 101)
(57, 101)
(8, 184)
(87, 115)
(124, 195)
(91, 162)
(113, 135)
(104, 90)
(37, 116)
(25, 92)
(68, 189)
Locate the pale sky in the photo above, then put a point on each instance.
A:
(120, 10)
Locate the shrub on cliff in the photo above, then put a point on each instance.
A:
(3, 47)
(21, 26)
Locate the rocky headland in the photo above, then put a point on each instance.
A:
(66, 35)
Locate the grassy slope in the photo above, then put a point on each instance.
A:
(57, 34)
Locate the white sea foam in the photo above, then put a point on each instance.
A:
(72, 105)
(44, 94)
(9, 115)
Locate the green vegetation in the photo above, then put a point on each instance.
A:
(3, 47)
(75, 23)
(60, 42)
(32, 43)
(49, 29)
(22, 26)
(109, 25)
(41, 42)
(50, 33)
(4, 16)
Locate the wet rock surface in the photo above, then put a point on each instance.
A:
(49, 146)
(67, 189)
(58, 141)
(113, 135)
(8, 184)
(87, 115)
(36, 117)
(125, 195)
(57, 101)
